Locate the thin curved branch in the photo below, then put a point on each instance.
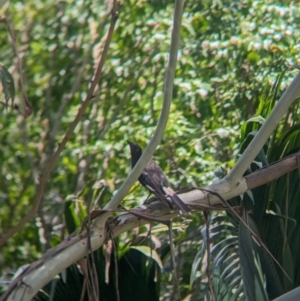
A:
(168, 92)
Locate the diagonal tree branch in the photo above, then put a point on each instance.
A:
(265, 131)
(80, 114)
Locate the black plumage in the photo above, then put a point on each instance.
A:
(154, 179)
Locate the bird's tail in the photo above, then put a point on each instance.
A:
(179, 203)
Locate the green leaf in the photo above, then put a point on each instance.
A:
(149, 253)
(251, 270)
(71, 217)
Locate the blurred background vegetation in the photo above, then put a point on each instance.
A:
(235, 60)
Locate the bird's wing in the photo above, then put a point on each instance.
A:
(152, 183)
(154, 179)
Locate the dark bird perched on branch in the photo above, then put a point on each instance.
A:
(155, 180)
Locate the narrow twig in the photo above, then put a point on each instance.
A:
(116, 271)
(26, 109)
(92, 283)
(83, 290)
(114, 252)
(286, 214)
(255, 237)
(210, 285)
(172, 252)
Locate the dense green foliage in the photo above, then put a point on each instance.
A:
(231, 54)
